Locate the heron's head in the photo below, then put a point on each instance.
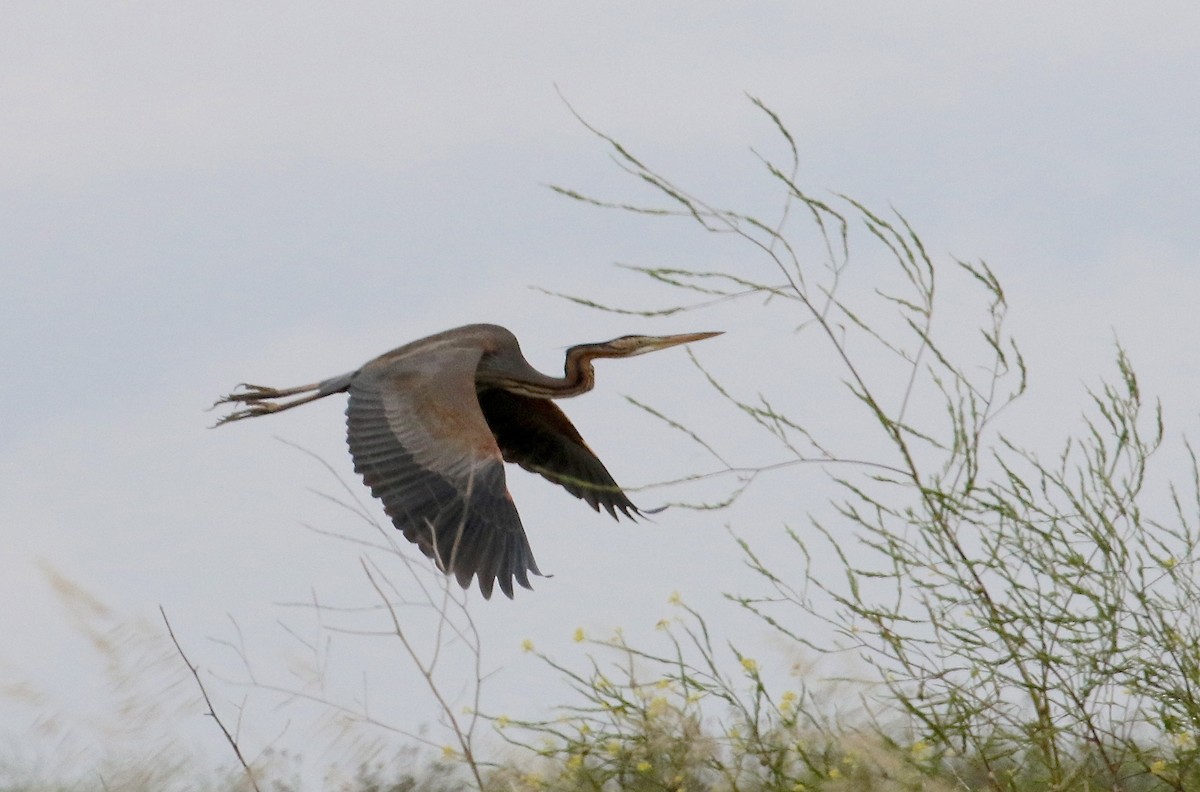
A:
(630, 345)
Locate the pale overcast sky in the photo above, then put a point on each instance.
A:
(193, 195)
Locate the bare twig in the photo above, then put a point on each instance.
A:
(212, 712)
(426, 669)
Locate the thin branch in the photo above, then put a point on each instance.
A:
(212, 712)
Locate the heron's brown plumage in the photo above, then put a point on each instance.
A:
(430, 425)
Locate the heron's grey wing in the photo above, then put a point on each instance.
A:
(536, 435)
(420, 442)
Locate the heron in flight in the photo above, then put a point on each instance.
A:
(431, 423)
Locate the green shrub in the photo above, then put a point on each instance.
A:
(1027, 622)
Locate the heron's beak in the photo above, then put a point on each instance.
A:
(662, 342)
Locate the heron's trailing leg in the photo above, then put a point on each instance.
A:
(258, 400)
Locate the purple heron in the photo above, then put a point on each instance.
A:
(431, 423)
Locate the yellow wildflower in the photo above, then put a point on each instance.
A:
(644, 766)
(527, 645)
(750, 665)
(656, 707)
(579, 636)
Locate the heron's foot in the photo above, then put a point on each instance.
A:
(251, 393)
(254, 396)
(258, 400)
(260, 408)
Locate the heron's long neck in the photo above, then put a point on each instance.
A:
(578, 374)
(578, 377)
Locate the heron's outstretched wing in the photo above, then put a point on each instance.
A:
(536, 435)
(421, 444)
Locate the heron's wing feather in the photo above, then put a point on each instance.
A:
(536, 434)
(420, 442)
